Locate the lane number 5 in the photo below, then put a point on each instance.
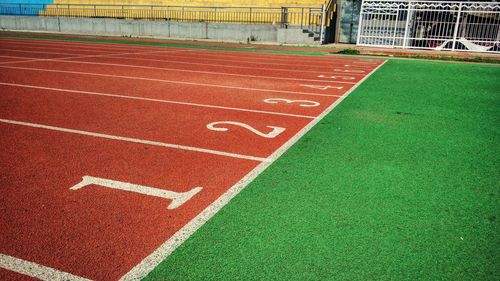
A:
(219, 127)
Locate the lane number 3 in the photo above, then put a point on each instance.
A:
(304, 103)
(221, 126)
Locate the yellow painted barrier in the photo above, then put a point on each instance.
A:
(303, 16)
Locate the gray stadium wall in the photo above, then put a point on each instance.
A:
(170, 29)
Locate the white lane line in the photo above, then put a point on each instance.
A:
(31, 51)
(150, 262)
(258, 62)
(36, 270)
(87, 56)
(275, 57)
(92, 48)
(118, 46)
(208, 72)
(156, 100)
(170, 81)
(27, 47)
(199, 53)
(66, 60)
(117, 55)
(56, 46)
(134, 140)
(174, 61)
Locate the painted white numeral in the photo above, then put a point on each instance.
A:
(336, 77)
(178, 198)
(274, 133)
(348, 70)
(304, 103)
(319, 87)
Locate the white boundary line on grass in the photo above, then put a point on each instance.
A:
(36, 270)
(142, 269)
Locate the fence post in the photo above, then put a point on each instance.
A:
(455, 31)
(284, 16)
(322, 30)
(395, 27)
(301, 18)
(407, 27)
(360, 22)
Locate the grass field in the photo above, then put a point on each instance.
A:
(399, 182)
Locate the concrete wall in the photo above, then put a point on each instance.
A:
(123, 27)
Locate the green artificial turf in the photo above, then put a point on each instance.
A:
(399, 182)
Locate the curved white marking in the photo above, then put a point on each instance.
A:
(304, 103)
(274, 133)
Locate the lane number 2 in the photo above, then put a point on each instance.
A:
(303, 103)
(219, 127)
(178, 198)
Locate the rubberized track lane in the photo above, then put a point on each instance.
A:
(165, 91)
(11, 59)
(168, 123)
(30, 55)
(190, 77)
(227, 58)
(97, 232)
(77, 44)
(7, 275)
(237, 56)
(343, 74)
(188, 57)
(222, 59)
(140, 153)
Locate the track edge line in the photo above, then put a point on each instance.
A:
(150, 262)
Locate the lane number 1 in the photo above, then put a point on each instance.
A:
(178, 198)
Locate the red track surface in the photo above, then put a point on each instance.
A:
(168, 97)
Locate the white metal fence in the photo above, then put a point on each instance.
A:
(438, 25)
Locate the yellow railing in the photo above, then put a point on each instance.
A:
(297, 16)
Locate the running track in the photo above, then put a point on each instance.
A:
(112, 155)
